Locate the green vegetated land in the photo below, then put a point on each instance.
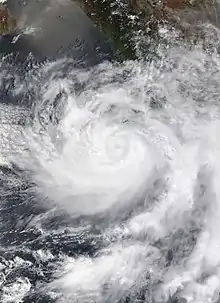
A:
(124, 21)
(121, 21)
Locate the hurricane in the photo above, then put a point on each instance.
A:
(110, 180)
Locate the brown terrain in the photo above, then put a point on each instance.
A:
(7, 22)
(184, 15)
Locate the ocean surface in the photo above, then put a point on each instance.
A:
(110, 179)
